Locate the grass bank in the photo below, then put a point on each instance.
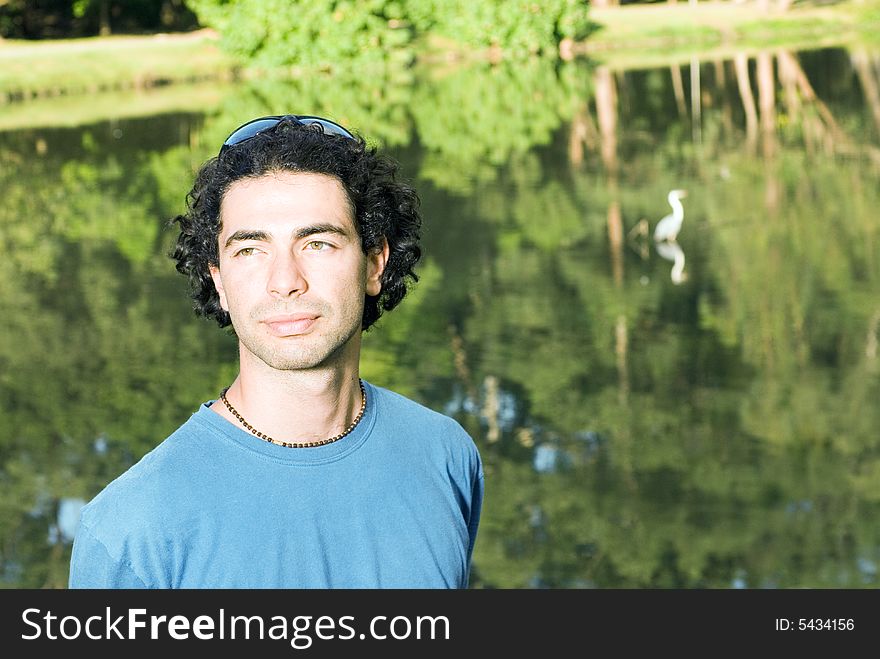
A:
(633, 36)
(40, 69)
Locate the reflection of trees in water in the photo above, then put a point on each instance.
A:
(473, 120)
(468, 120)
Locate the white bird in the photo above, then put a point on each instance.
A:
(669, 226)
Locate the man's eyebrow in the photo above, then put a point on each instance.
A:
(246, 234)
(312, 229)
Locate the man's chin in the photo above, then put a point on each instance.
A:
(298, 353)
(299, 360)
(296, 363)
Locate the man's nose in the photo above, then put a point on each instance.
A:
(286, 276)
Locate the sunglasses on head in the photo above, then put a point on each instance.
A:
(256, 126)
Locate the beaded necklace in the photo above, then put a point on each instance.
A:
(322, 442)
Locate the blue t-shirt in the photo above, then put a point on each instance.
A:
(394, 504)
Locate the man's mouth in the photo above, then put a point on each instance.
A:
(290, 324)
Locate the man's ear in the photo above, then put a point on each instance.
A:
(377, 259)
(218, 284)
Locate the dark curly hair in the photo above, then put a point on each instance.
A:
(383, 207)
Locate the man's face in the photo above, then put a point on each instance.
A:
(291, 273)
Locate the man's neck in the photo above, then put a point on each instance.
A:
(295, 406)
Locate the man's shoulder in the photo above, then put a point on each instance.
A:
(152, 480)
(399, 406)
(418, 420)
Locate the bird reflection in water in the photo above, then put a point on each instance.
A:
(672, 251)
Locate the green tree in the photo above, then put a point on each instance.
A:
(335, 33)
(323, 32)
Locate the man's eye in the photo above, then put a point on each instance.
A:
(317, 245)
(246, 251)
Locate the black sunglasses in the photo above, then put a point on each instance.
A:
(256, 126)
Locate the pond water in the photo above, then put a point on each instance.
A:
(702, 413)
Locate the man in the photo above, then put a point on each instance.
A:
(301, 475)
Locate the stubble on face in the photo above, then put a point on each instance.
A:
(333, 332)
